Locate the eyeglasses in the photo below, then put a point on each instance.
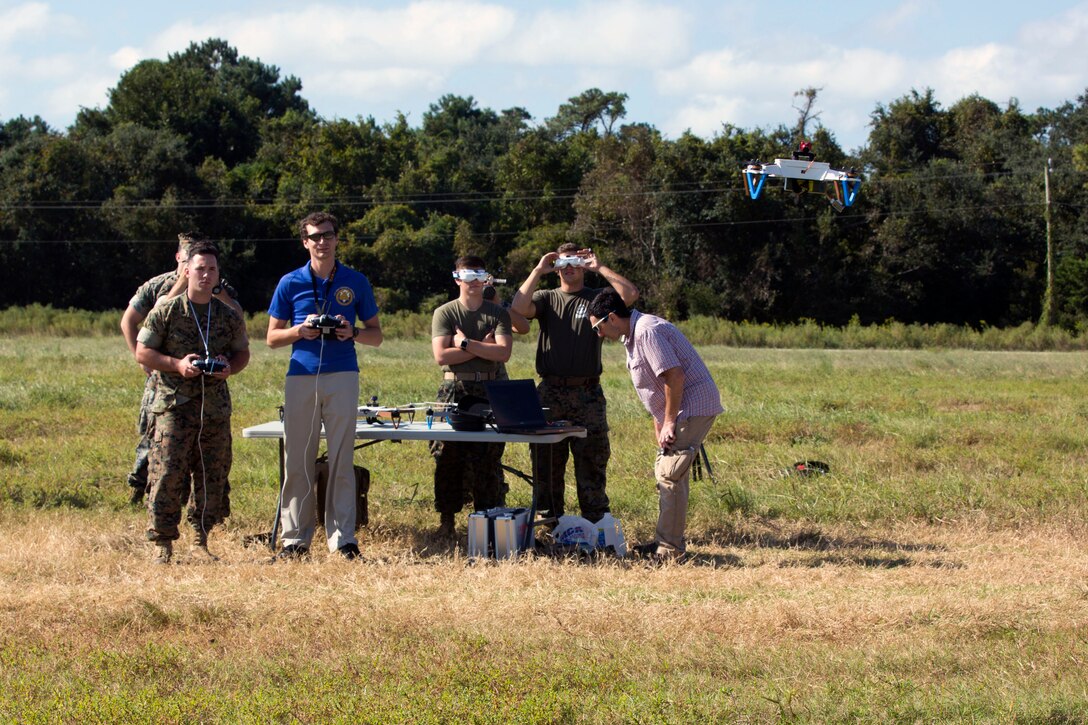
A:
(596, 325)
(318, 236)
(472, 275)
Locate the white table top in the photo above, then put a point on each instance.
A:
(418, 431)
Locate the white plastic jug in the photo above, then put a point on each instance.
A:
(610, 533)
(575, 530)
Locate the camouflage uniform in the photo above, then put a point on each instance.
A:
(568, 361)
(143, 301)
(461, 468)
(191, 417)
(586, 406)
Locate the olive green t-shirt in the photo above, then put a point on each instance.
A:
(475, 324)
(567, 345)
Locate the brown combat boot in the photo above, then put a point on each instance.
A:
(446, 527)
(164, 552)
(200, 548)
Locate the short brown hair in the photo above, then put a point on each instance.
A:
(204, 246)
(315, 219)
(188, 239)
(469, 261)
(568, 248)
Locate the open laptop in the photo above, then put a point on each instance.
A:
(516, 407)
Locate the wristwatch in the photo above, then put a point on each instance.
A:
(354, 332)
(464, 344)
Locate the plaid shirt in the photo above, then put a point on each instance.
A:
(655, 346)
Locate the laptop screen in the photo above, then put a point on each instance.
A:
(515, 404)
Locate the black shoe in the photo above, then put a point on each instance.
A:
(293, 551)
(349, 551)
(136, 497)
(645, 551)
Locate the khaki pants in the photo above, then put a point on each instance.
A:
(672, 471)
(309, 401)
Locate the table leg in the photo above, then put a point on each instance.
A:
(279, 501)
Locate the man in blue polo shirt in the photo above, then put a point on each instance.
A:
(322, 384)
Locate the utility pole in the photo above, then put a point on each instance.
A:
(1048, 296)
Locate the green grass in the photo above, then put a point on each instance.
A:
(809, 602)
(932, 435)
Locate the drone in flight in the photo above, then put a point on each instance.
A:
(804, 174)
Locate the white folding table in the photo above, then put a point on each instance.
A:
(417, 430)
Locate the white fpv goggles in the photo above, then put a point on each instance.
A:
(569, 261)
(472, 275)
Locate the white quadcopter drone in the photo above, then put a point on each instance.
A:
(803, 174)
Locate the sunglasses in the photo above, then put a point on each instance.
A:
(318, 236)
(598, 323)
(472, 275)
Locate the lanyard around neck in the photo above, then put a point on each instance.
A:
(203, 337)
(322, 307)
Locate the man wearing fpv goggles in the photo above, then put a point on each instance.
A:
(568, 360)
(470, 340)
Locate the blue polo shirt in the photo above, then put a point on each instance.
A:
(348, 294)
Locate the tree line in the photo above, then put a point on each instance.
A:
(949, 225)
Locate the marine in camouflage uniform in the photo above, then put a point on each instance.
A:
(568, 361)
(191, 416)
(460, 468)
(463, 465)
(142, 302)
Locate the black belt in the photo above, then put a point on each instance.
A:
(571, 382)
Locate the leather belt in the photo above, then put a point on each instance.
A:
(474, 377)
(570, 382)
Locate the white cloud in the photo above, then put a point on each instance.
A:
(629, 33)
(125, 58)
(85, 90)
(383, 84)
(704, 115)
(896, 21)
(421, 34)
(28, 19)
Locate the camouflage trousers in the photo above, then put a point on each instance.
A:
(138, 477)
(180, 444)
(145, 428)
(586, 406)
(462, 467)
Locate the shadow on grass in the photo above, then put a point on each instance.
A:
(809, 539)
(818, 548)
(52, 499)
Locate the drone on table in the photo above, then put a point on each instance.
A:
(375, 414)
(804, 174)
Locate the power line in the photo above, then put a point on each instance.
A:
(713, 186)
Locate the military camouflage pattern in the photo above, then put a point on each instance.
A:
(138, 477)
(181, 444)
(172, 329)
(583, 405)
(191, 423)
(460, 467)
(150, 291)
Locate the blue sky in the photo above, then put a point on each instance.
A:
(685, 65)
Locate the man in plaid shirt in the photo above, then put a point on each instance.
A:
(673, 382)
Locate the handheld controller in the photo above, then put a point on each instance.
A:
(209, 365)
(328, 325)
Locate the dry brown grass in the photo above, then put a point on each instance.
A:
(769, 606)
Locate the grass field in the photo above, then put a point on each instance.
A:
(940, 573)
